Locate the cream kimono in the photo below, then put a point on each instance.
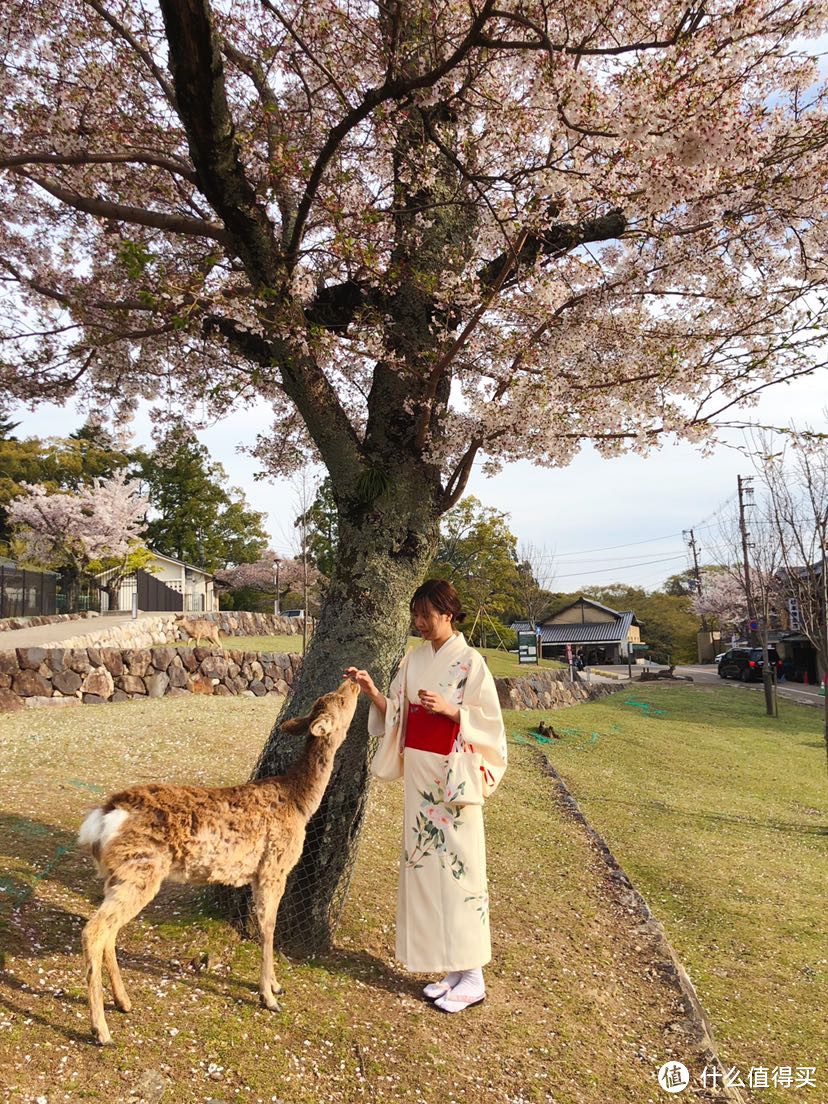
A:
(443, 901)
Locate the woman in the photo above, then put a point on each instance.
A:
(441, 729)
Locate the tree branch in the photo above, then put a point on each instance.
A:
(389, 90)
(198, 75)
(172, 165)
(138, 216)
(140, 50)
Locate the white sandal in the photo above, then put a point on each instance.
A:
(451, 1004)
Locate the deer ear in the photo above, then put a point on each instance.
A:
(294, 725)
(323, 725)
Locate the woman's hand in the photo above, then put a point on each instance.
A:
(363, 681)
(436, 703)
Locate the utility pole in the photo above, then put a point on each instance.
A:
(690, 537)
(746, 499)
(759, 635)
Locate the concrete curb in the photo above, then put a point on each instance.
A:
(667, 961)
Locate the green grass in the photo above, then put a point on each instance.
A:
(718, 814)
(574, 1006)
(503, 664)
(292, 643)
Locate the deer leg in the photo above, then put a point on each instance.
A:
(267, 893)
(126, 893)
(118, 988)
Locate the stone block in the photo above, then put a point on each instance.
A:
(55, 657)
(133, 684)
(214, 667)
(94, 656)
(258, 688)
(30, 684)
(281, 687)
(66, 681)
(233, 669)
(29, 659)
(256, 669)
(77, 660)
(5, 682)
(178, 676)
(188, 659)
(157, 684)
(10, 701)
(162, 658)
(34, 703)
(289, 676)
(98, 683)
(268, 682)
(113, 660)
(8, 663)
(137, 661)
(119, 696)
(178, 692)
(92, 699)
(222, 691)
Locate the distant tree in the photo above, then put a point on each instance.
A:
(98, 528)
(796, 481)
(58, 463)
(477, 552)
(260, 576)
(196, 517)
(322, 528)
(722, 600)
(535, 572)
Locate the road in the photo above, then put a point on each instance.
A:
(706, 674)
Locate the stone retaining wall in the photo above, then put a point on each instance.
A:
(547, 690)
(165, 628)
(97, 674)
(92, 676)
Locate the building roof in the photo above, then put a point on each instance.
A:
(181, 563)
(599, 632)
(595, 605)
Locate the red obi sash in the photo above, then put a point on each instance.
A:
(430, 731)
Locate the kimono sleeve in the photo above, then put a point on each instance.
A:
(387, 762)
(481, 725)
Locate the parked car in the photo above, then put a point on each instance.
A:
(719, 657)
(746, 663)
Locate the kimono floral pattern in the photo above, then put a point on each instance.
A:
(455, 681)
(436, 819)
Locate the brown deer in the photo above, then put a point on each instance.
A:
(251, 834)
(201, 628)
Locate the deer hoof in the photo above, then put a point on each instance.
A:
(103, 1038)
(270, 1002)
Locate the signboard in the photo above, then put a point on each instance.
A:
(754, 626)
(527, 647)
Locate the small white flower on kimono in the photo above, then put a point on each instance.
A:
(439, 815)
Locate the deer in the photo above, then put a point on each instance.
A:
(245, 835)
(201, 628)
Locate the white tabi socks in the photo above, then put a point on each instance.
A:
(469, 990)
(440, 988)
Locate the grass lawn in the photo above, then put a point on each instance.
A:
(287, 643)
(719, 815)
(576, 1013)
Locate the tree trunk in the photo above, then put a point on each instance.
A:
(113, 593)
(382, 555)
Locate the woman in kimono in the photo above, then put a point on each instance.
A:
(441, 729)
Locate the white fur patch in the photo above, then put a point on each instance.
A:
(99, 828)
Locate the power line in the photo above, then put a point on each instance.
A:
(624, 567)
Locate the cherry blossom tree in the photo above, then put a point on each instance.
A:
(425, 235)
(261, 574)
(722, 599)
(96, 529)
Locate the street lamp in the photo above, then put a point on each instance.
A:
(276, 564)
